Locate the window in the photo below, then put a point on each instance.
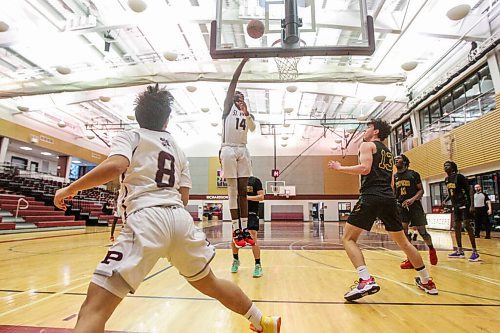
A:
(434, 111)
(19, 162)
(485, 82)
(424, 118)
(472, 87)
(446, 104)
(458, 96)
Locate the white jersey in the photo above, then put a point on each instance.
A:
(158, 168)
(234, 129)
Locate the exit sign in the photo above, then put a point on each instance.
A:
(275, 173)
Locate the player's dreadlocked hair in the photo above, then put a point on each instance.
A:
(153, 107)
(453, 165)
(383, 127)
(406, 160)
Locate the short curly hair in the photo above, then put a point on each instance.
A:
(453, 165)
(383, 127)
(406, 160)
(153, 108)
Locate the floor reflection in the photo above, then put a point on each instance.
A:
(316, 235)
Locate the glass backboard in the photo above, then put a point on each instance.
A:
(293, 28)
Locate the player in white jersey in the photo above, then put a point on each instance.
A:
(155, 185)
(235, 159)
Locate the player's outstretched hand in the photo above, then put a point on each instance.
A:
(335, 165)
(62, 194)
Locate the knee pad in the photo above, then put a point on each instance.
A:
(232, 192)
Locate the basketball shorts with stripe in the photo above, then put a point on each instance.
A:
(148, 235)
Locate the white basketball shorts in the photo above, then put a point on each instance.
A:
(235, 162)
(150, 234)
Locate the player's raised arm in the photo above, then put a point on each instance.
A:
(228, 102)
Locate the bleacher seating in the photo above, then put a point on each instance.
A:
(41, 212)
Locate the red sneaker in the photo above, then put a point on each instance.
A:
(433, 256)
(406, 264)
(238, 240)
(248, 238)
(429, 287)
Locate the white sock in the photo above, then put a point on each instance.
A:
(236, 224)
(424, 275)
(363, 272)
(244, 222)
(254, 316)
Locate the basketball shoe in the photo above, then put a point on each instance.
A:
(257, 272)
(269, 325)
(406, 264)
(362, 288)
(474, 257)
(235, 266)
(238, 240)
(433, 256)
(429, 287)
(247, 238)
(456, 254)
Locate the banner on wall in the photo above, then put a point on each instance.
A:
(221, 181)
(439, 221)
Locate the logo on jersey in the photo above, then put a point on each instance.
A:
(164, 142)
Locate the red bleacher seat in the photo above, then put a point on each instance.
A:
(48, 224)
(7, 226)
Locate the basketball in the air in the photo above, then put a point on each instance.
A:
(255, 29)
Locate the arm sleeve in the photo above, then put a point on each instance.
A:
(124, 144)
(185, 178)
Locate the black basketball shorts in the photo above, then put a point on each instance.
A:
(368, 208)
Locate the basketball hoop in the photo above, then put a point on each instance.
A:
(275, 190)
(287, 66)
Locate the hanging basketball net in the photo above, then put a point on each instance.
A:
(287, 66)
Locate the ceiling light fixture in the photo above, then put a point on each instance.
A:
(214, 124)
(170, 56)
(286, 125)
(104, 98)
(291, 89)
(191, 89)
(46, 153)
(131, 117)
(25, 148)
(288, 110)
(379, 99)
(409, 66)
(3, 26)
(284, 138)
(90, 136)
(63, 70)
(62, 124)
(458, 12)
(205, 109)
(137, 6)
(76, 162)
(284, 144)
(23, 108)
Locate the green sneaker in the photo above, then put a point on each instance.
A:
(235, 266)
(257, 271)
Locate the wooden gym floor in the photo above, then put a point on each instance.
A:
(44, 277)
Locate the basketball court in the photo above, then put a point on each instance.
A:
(318, 71)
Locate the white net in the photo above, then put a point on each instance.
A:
(287, 68)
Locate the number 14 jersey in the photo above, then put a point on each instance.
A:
(234, 130)
(158, 168)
